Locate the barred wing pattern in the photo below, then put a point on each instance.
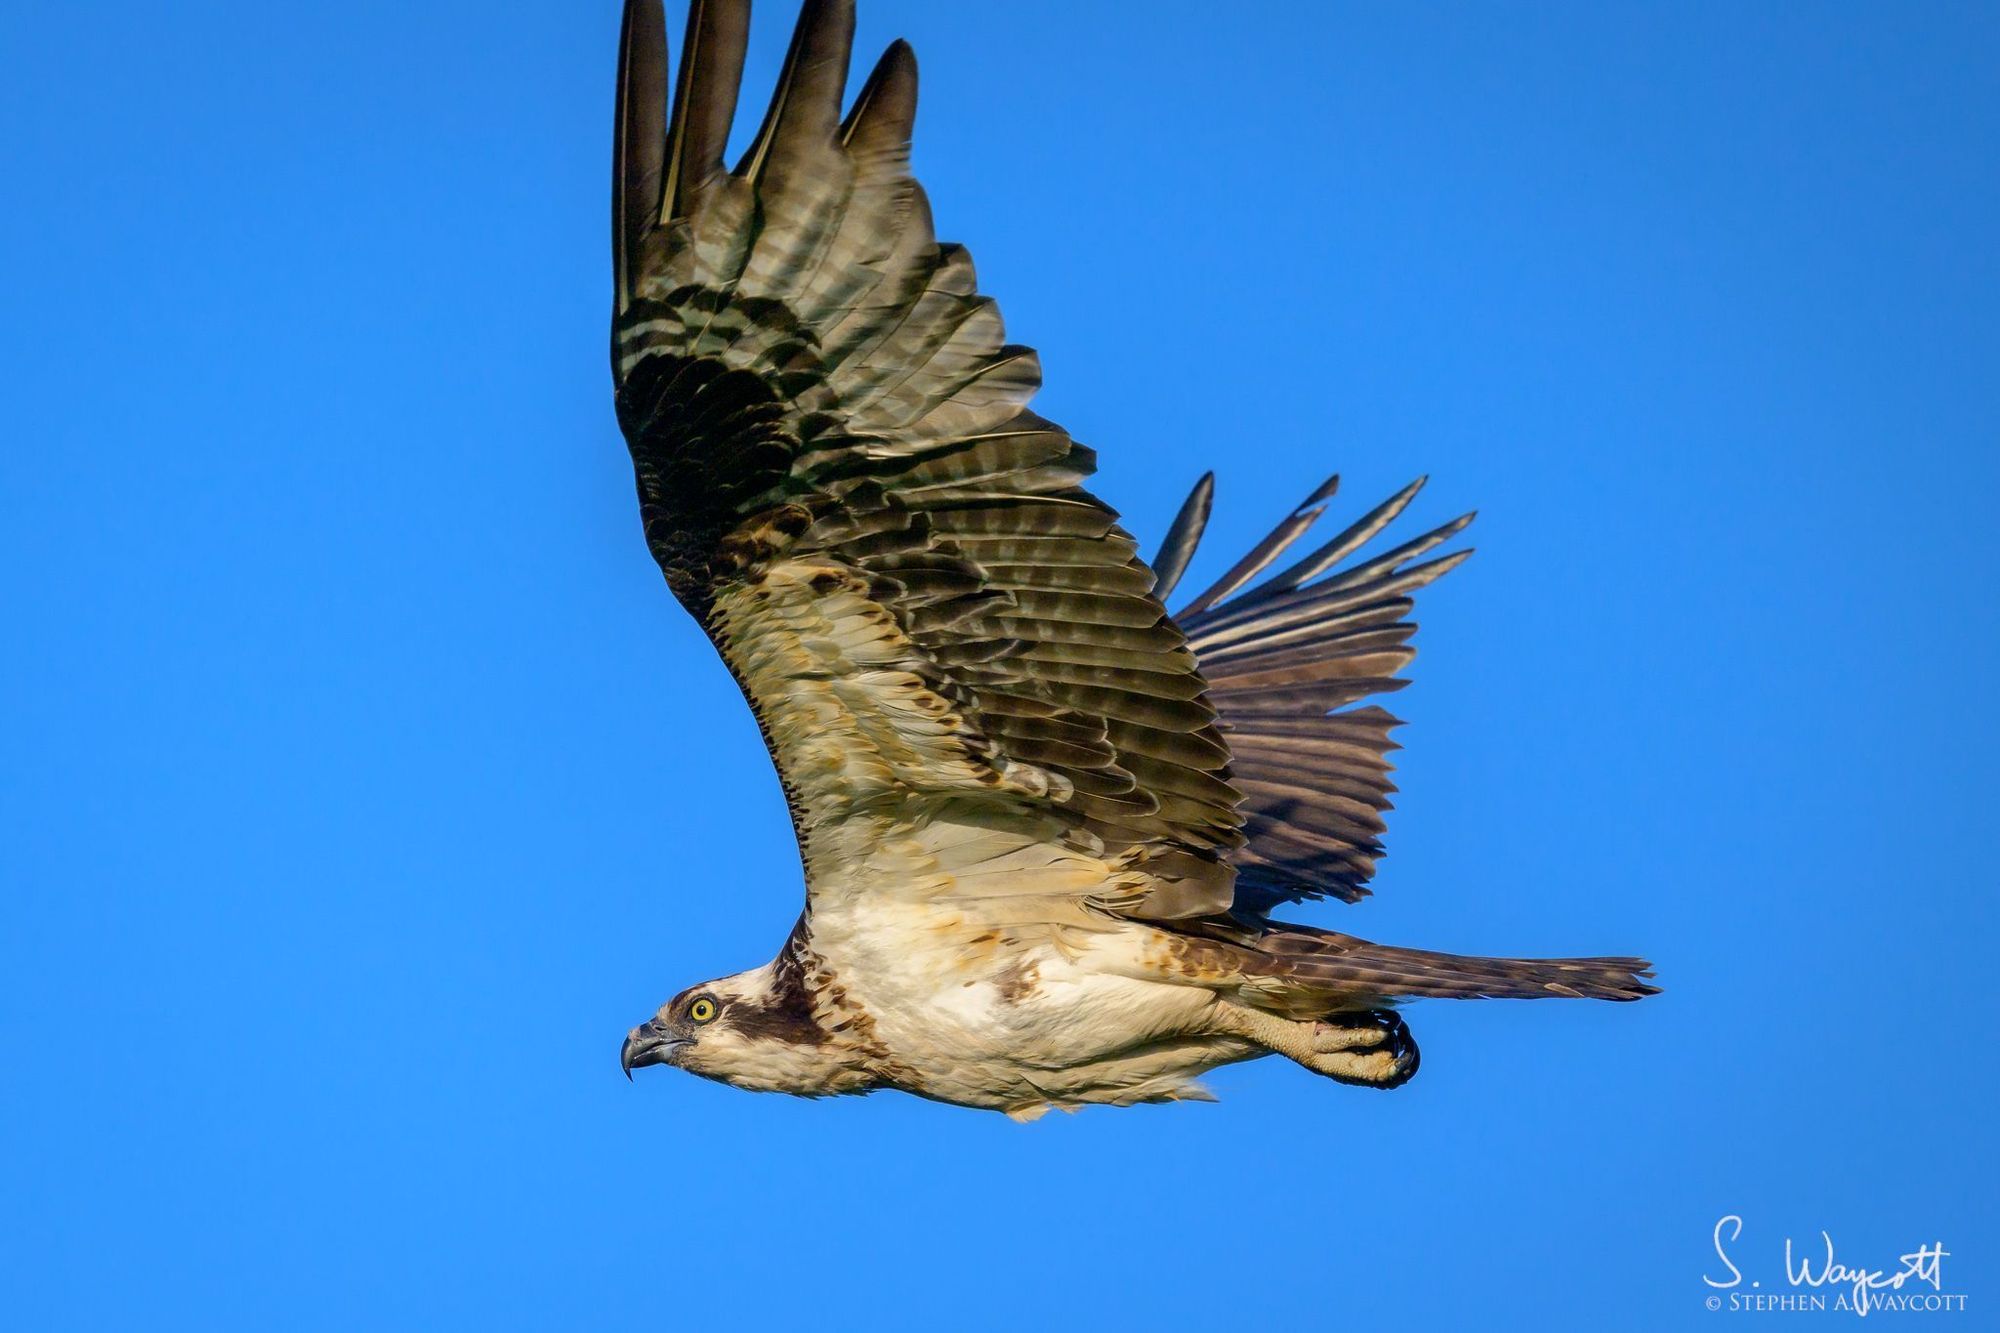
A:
(935, 623)
(1284, 661)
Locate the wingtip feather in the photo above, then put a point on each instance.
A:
(638, 136)
(1177, 548)
(886, 107)
(807, 102)
(711, 76)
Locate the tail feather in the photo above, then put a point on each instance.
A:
(1346, 965)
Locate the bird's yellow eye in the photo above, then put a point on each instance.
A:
(702, 1010)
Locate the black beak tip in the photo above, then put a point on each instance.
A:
(647, 1044)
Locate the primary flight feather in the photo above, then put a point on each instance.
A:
(1043, 822)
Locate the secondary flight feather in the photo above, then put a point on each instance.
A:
(1044, 823)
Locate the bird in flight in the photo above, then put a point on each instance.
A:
(1044, 823)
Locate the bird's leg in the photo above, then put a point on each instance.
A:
(1371, 1047)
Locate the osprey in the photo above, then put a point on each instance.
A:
(1044, 823)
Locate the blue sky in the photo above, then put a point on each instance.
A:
(363, 782)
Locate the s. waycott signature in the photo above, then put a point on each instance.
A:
(1823, 1282)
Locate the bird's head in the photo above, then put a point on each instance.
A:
(753, 1030)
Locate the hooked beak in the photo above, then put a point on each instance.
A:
(647, 1044)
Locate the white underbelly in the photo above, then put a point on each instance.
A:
(1026, 1022)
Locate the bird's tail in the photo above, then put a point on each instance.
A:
(1342, 965)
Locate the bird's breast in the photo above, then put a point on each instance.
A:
(947, 994)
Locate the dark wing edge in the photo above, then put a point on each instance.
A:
(1287, 659)
(807, 378)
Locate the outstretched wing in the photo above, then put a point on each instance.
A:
(951, 647)
(1285, 660)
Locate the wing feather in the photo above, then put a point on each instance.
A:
(1286, 661)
